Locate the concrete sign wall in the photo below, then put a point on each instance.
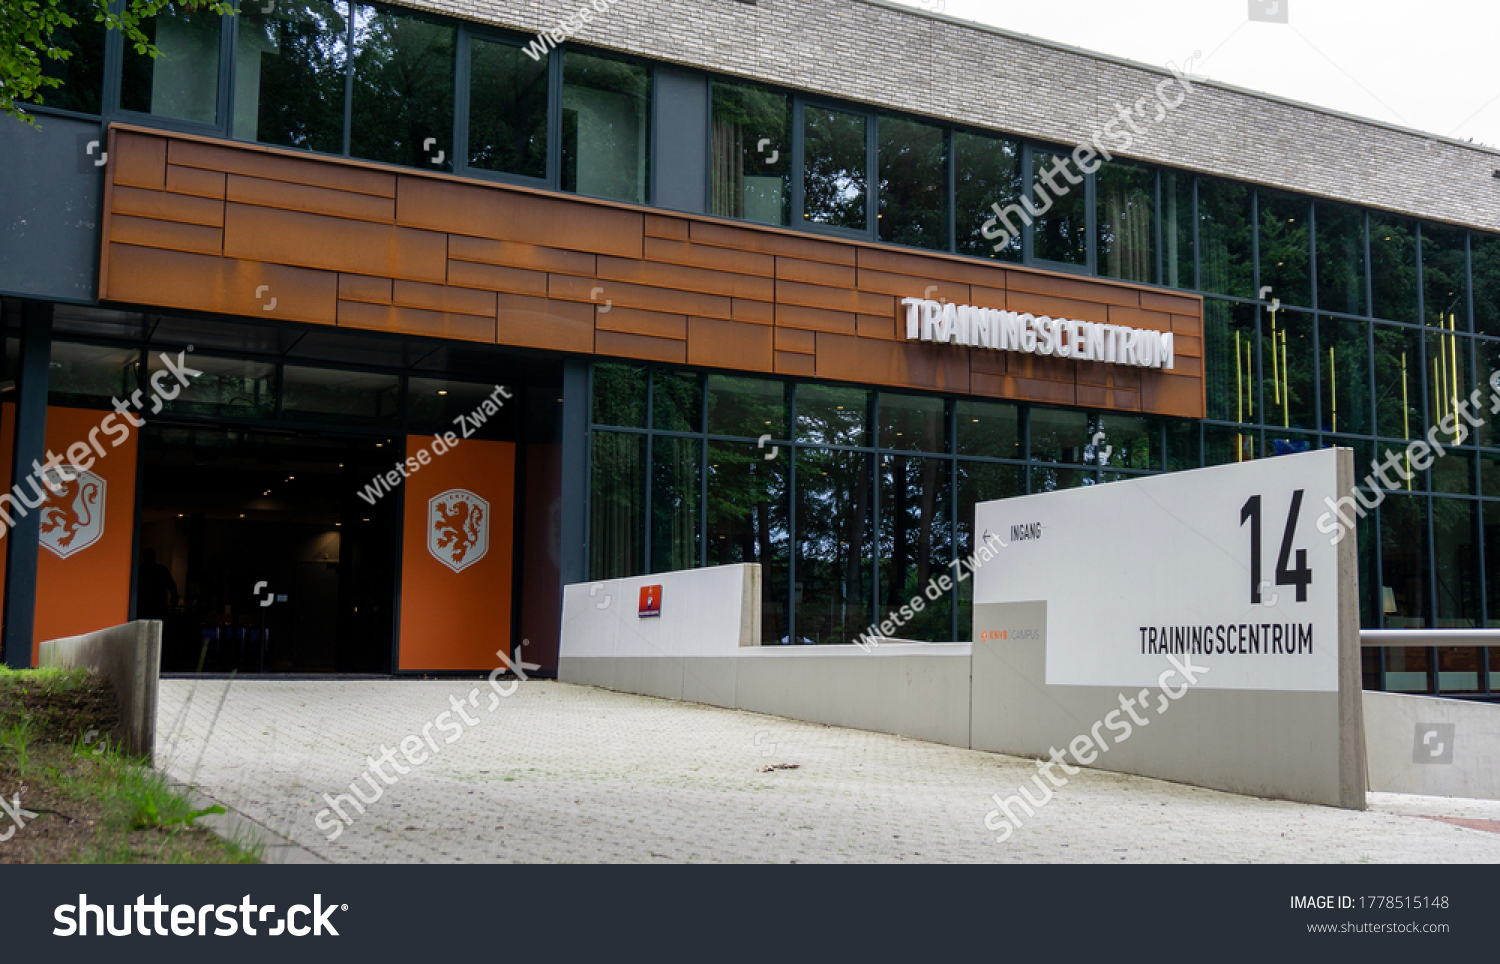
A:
(1193, 626)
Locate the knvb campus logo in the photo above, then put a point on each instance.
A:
(73, 517)
(458, 528)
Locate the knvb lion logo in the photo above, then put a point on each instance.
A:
(72, 518)
(458, 528)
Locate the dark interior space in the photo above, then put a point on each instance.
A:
(260, 557)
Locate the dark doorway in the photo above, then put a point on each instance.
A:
(259, 555)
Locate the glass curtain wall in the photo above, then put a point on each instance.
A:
(851, 500)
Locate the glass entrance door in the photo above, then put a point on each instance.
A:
(260, 555)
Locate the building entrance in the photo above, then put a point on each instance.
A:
(258, 554)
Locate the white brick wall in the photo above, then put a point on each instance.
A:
(866, 51)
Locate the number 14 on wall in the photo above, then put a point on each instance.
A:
(1300, 575)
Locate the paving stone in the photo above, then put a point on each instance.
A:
(562, 773)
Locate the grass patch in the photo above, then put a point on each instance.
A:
(93, 802)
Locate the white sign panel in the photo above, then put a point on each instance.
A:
(1224, 565)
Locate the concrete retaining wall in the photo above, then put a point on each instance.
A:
(1432, 746)
(129, 656)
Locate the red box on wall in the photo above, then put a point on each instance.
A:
(650, 601)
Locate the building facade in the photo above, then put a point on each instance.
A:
(427, 310)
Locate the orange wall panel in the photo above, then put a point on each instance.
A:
(455, 603)
(495, 263)
(84, 568)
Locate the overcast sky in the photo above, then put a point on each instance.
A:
(1433, 65)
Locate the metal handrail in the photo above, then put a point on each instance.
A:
(1383, 638)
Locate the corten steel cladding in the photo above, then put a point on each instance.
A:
(216, 226)
(456, 555)
(88, 529)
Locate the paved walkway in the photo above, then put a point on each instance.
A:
(567, 773)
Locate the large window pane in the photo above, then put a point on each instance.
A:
(1229, 365)
(1403, 543)
(605, 127)
(1393, 267)
(1126, 221)
(989, 430)
(987, 182)
(1222, 445)
(1177, 229)
(1458, 668)
(1123, 441)
(1448, 382)
(507, 109)
(915, 423)
(1286, 369)
(434, 405)
(619, 395)
(677, 402)
(403, 89)
(747, 522)
(1455, 538)
(1445, 282)
(82, 73)
(1285, 253)
(1060, 232)
(1059, 435)
(676, 513)
(834, 544)
(1454, 473)
(834, 161)
(916, 536)
(1486, 268)
(1486, 364)
(330, 395)
(1341, 258)
(91, 374)
(1492, 581)
(183, 80)
(1398, 382)
(749, 407)
(230, 387)
(617, 505)
(751, 154)
(913, 183)
(291, 70)
(1182, 445)
(1346, 375)
(828, 415)
(1224, 238)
